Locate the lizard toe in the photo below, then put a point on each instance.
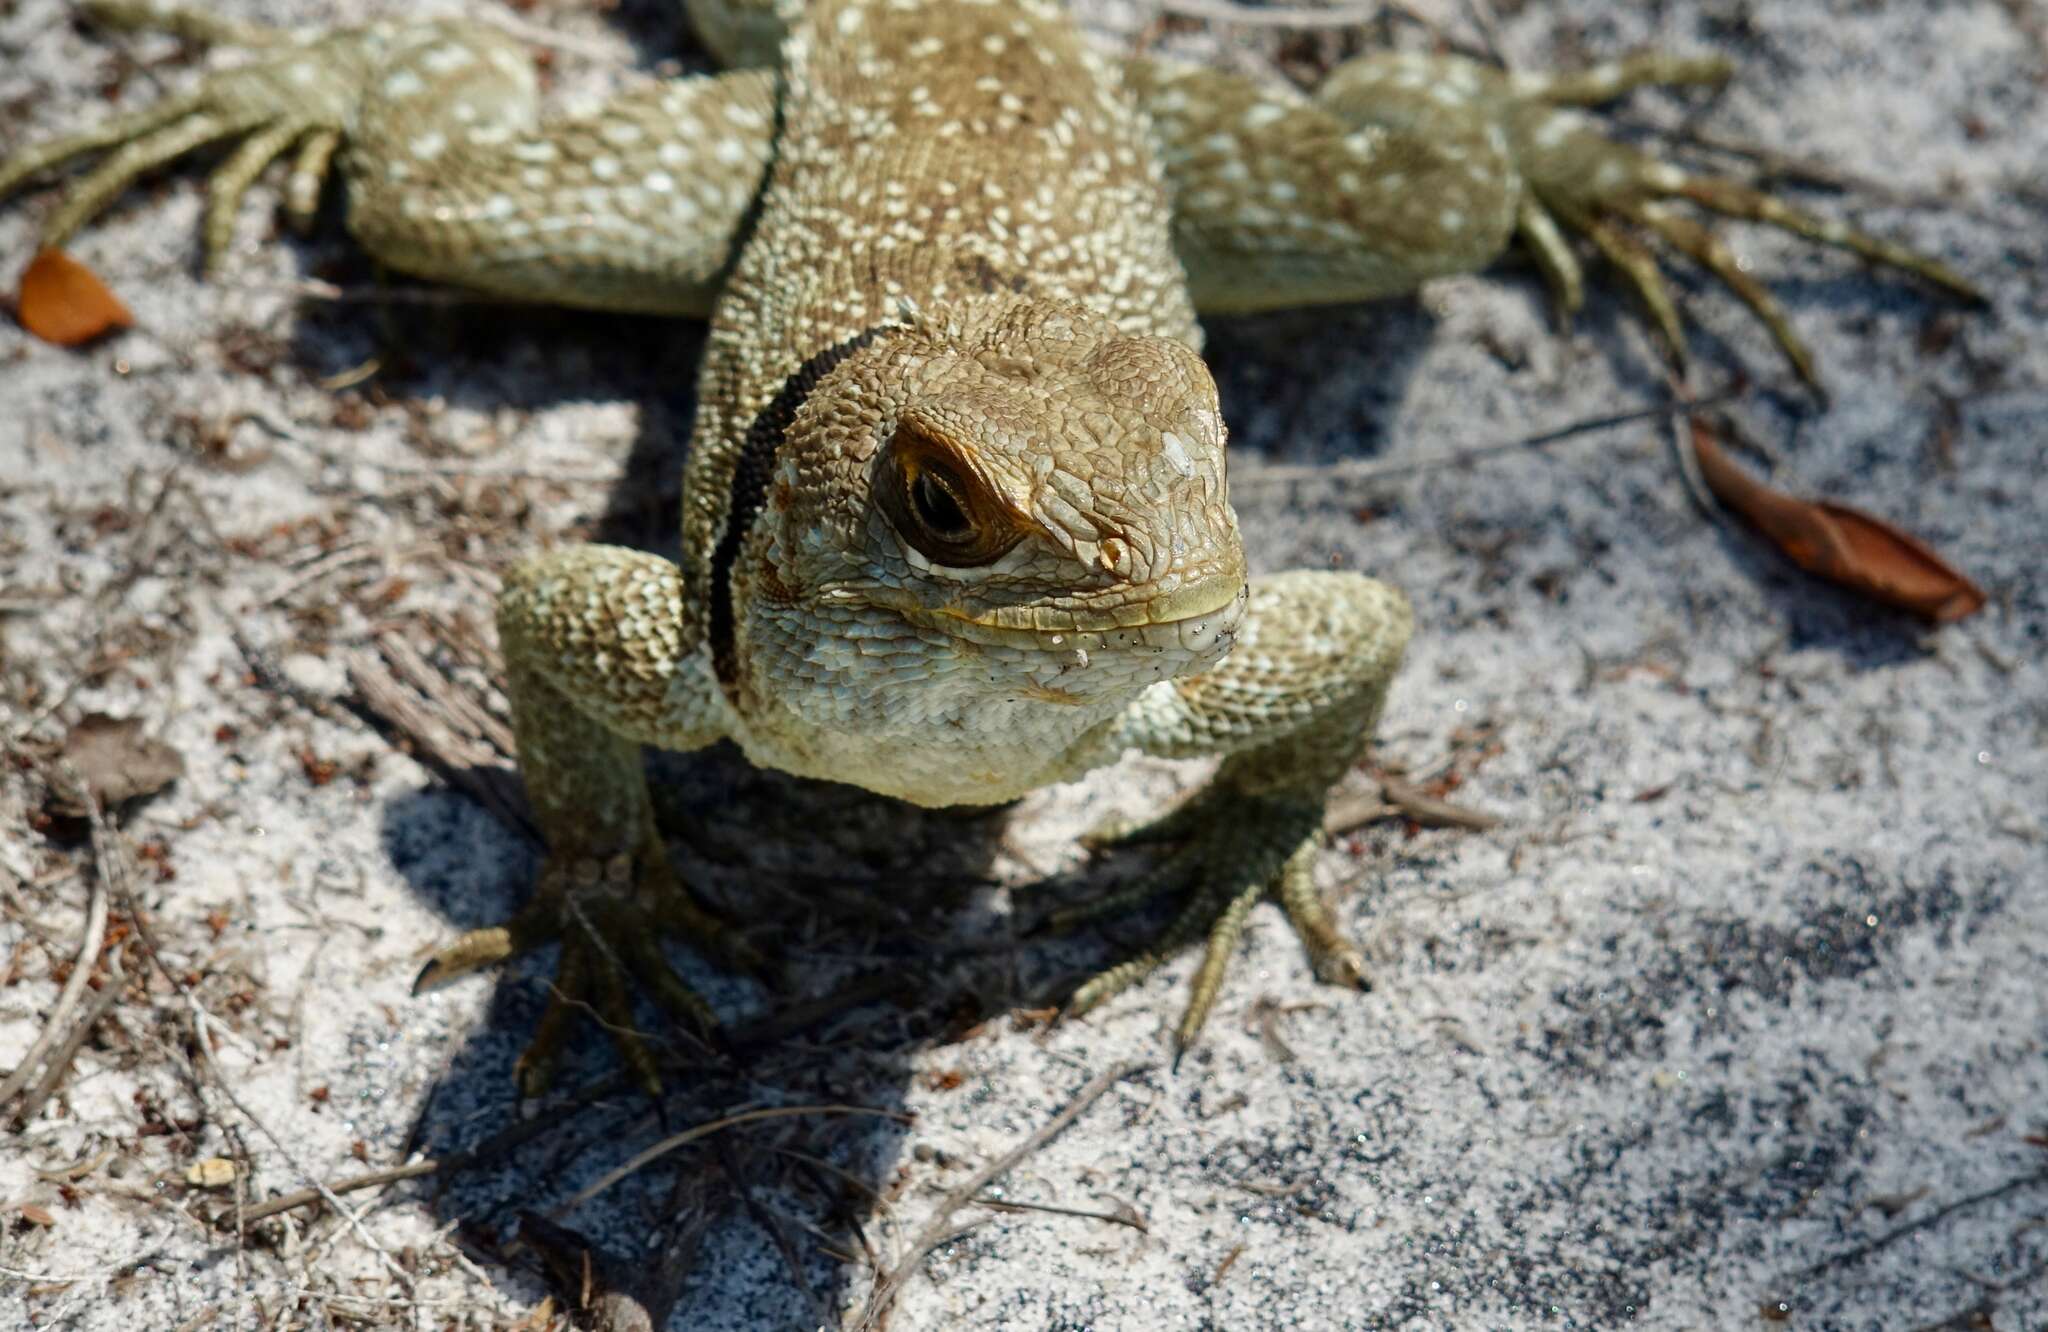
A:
(1580, 180)
(535, 1070)
(536, 924)
(1247, 848)
(650, 967)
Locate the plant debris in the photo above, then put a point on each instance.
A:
(1843, 545)
(64, 302)
(117, 763)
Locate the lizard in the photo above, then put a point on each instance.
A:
(955, 517)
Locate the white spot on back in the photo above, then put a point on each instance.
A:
(447, 58)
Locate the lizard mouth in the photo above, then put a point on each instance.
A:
(1194, 618)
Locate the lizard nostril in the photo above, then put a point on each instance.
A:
(1113, 555)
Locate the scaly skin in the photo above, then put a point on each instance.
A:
(955, 521)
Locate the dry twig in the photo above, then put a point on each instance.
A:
(1431, 812)
(74, 985)
(1376, 468)
(940, 1228)
(689, 1135)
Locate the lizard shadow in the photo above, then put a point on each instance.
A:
(1316, 384)
(895, 940)
(802, 859)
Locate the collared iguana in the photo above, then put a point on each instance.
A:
(955, 519)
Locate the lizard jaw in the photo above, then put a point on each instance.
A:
(1200, 620)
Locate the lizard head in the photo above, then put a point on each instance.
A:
(1022, 504)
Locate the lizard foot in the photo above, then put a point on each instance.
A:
(302, 90)
(1614, 195)
(1235, 849)
(609, 914)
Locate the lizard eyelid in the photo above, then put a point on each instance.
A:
(940, 503)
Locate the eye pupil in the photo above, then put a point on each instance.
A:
(937, 509)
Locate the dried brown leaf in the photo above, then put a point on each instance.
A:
(1841, 544)
(64, 302)
(117, 762)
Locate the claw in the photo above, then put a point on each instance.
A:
(1639, 266)
(1732, 200)
(1107, 985)
(1707, 250)
(1560, 267)
(609, 913)
(131, 159)
(309, 177)
(32, 161)
(679, 913)
(1171, 873)
(243, 101)
(536, 924)
(1209, 900)
(1335, 959)
(1175, 825)
(1242, 848)
(1185, 929)
(1606, 81)
(535, 1068)
(1223, 937)
(225, 190)
(193, 25)
(615, 1011)
(1581, 179)
(651, 967)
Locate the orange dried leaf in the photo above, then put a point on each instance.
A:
(1841, 544)
(64, 302)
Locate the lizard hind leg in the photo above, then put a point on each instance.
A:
(1433, 162)
(296, 87)
(1613, 194)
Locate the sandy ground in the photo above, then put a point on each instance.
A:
(1736, 1019)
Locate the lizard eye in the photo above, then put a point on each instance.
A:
(936, 508)
(939, 504)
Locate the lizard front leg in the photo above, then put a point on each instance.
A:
(1404, 167)
(597, 665)
(1290, 710)
(450, 169)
